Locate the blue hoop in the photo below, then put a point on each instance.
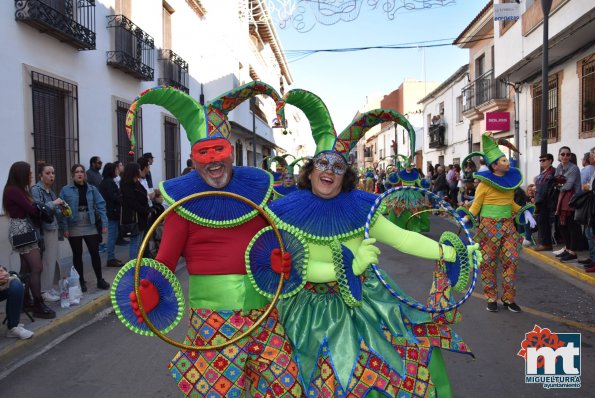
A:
(411, 302)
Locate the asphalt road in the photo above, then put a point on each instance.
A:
(106, 360)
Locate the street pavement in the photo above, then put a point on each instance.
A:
(552, 294)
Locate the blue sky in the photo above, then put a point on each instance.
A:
(343, 80)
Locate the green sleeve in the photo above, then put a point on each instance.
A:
(409, 242)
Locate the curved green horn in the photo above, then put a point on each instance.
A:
(321, 124)
(349, 137)
(186, 109)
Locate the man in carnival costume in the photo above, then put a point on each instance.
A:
(403, 204)
(212, 233)
(497, 235)
(351, 337)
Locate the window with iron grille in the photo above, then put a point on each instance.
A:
(553, 99)
(55, 125)
(123, 146)
(171, 129)
(239, 153)
(587, 100)
(460, 109)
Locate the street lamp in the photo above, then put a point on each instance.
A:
(546, 5)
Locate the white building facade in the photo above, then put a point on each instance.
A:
(446, 130)
(571, 77)
(72, 68)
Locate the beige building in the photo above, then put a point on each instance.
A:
(377, 145)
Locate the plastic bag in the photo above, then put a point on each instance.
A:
(74, 287)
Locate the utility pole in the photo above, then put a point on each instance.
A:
(546, 5)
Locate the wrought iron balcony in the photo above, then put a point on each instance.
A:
(437, 133)
(482, 90)
(70, 21)
(133, 48)
(174, 70)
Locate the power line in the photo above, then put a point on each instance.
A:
(296, 55)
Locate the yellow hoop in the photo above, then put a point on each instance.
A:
(425, 211)
(146, 241)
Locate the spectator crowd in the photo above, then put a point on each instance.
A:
(115, 200)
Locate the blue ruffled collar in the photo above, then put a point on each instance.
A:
(324, 219)
(413, 175)
(508, 182)
(250, 182)
(283, 190)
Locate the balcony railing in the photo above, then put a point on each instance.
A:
(174, 70)
(133, 48)
(437, 133)
(70, 21)
(482, 90)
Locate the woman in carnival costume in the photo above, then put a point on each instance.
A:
(497, 236)
(403, 204)
(351, 336)
(212, 234)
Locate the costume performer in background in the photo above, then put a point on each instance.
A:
(351, 336)
(286, 180)
(403, 204)
(497, 236)
(212, 234)
(369, 180)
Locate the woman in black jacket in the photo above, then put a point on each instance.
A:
(110, 192)
(135, 205)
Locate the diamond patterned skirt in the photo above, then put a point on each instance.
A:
(262, 361)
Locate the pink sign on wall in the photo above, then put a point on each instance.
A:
(497, 121)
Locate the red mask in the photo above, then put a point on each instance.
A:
(214, 150)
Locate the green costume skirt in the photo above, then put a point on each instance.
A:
(403, 204)
(381, 345)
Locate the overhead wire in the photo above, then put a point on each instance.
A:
(296, 55)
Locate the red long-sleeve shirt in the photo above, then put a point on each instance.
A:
(207, 250)
(17, 204)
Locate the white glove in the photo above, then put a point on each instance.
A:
(529, 219)
(465, 219)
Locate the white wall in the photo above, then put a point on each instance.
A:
(213, 54)
(456, 133)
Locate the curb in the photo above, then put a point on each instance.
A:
(44, 335)
(567, 269)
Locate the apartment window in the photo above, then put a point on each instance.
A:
(123, 146)
(460, 109)
(441, 109)
(587, 100)
(55, 124)
(239, 150)
(552, 108)
(171, 130)
(480, 66)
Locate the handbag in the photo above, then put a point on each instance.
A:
(583, 204)
(24, 239)
(128, 230)
(22, 233)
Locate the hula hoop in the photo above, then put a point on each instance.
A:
(410, 301)
(145, 241)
